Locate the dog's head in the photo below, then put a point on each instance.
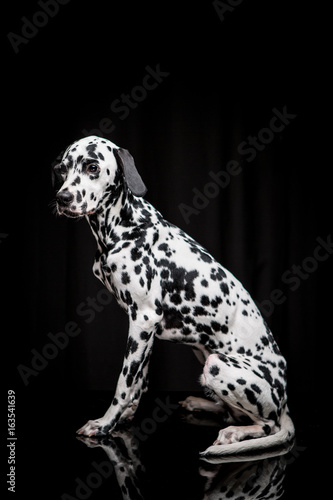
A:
(90, 171)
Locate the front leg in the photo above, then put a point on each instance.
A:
(132, 380)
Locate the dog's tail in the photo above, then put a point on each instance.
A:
(273, 445)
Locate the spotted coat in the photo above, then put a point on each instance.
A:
(171, 288)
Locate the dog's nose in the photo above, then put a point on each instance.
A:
(64, 198)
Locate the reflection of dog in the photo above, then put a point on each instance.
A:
(251, 480)
(123, 452)
(173, 289)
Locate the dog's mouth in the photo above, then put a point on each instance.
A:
(73, 214)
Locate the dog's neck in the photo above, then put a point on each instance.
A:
(118, 215)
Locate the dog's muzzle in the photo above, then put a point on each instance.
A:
(64, 200)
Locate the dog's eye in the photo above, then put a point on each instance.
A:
(92, 169)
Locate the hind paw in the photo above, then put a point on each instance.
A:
(191, 403)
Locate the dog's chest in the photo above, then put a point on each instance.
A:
(103, 272)
(116, 272)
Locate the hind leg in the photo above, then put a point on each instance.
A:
(234, 434)
(248, 396)
(192, 403)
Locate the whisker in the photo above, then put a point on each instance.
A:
(53, 206)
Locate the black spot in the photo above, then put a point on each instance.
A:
(204, 283)
(176, 299)
(215, 326)
(205, 257)
(165, 274)
(224, 288)
(125, 278)
(204, 339)
(215, 303)
(214, 370)
(273, 416)
(115, 401)
(266, 373)
(132, 346)
(135, 254)
(145, 336)
(134, 367)
(186, 330)
(199, 311)
(231, 387)
(241, 381)
(164, 247)
(126, 297)
(134, 309)
(150, 273)
(244, 312)
(205, 300)
(250, 396)
(77, 180)
(256, 388)
(224, 329)
(78, 197)
(91, 148)
(159, 309)
(279, 387)
(173, 318)
(155, 237)
(204, 328)
(185, 310)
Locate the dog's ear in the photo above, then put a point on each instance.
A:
(57, 180)
(132, 176)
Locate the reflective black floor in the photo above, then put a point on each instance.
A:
(156, 458)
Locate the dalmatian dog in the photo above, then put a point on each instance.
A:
(173, 289)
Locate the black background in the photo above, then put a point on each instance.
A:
(224, 78)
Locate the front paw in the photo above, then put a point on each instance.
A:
(94, 428)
